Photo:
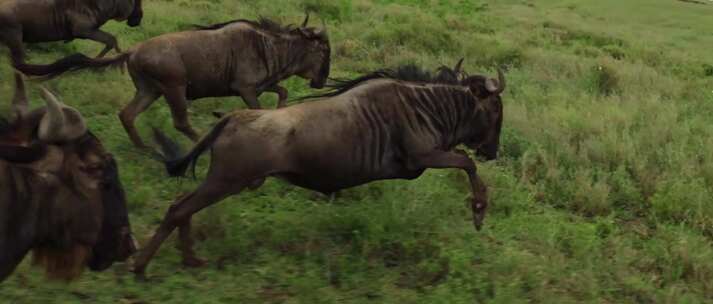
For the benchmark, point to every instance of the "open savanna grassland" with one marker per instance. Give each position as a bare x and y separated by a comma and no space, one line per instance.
602,193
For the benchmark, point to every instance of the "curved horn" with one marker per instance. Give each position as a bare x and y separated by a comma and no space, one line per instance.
53,121
496,86
60,123
457,68
304,23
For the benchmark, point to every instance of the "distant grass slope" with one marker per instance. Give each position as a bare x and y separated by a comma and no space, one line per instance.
602,193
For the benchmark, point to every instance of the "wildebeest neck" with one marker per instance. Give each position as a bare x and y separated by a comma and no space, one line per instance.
110,9
445,113
281,56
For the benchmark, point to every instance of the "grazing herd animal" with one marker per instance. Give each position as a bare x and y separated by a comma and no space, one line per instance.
60,193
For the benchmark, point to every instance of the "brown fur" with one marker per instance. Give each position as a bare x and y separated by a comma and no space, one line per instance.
391,124
237,58
64,203
24,21
62,264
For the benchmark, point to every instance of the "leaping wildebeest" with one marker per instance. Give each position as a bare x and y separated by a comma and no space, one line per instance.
390,124
62,20
236,58
60,193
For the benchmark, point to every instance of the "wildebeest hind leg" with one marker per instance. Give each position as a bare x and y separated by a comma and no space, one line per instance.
185,245
13,40
17,56
142,100
176,98
19,99
179,214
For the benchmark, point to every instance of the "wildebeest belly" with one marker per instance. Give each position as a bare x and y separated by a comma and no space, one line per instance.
208,88
36,31
330,175
38,21
329,182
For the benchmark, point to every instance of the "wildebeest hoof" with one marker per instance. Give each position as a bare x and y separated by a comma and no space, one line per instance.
256,183
139,274
141,277
194,262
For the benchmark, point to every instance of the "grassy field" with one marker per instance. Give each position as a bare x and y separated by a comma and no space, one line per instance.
602,193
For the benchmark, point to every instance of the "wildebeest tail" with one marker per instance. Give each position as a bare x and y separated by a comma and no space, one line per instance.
176,165
70,63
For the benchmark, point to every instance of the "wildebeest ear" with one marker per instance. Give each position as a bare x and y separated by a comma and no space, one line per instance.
307,33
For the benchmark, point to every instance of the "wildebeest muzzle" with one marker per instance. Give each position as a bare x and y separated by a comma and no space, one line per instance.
136,15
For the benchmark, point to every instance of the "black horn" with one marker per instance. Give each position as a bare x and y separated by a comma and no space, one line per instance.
304,23
457,68
496,86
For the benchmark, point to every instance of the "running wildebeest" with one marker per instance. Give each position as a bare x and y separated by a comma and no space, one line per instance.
58,20
60,193
236,58
390,124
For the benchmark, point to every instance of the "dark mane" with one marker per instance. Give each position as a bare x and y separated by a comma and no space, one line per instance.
263,23
409,72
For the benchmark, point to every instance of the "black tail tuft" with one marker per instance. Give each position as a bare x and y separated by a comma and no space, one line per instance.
70,63
170,154
176,165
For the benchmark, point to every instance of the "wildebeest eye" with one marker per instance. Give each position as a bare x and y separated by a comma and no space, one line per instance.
95,170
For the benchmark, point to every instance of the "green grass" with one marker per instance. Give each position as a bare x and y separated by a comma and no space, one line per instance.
602,193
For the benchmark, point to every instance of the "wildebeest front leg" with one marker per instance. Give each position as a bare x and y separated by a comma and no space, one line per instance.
281,93
250,97
176,98
457,159
13,40
142,100
97,35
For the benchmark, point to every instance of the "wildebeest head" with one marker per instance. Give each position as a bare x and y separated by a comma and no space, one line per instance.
82,220
316,63
96,171
487,142
136,15
129,10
